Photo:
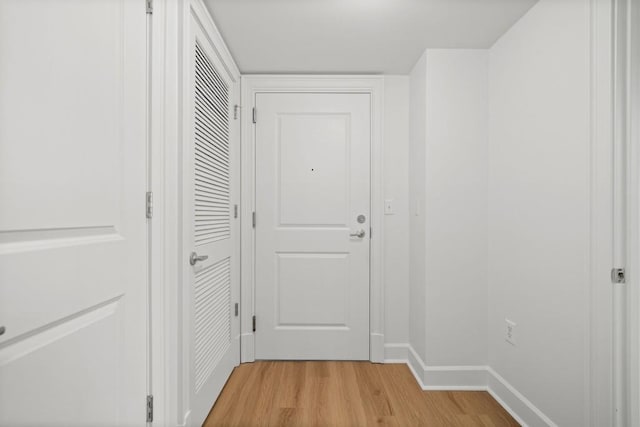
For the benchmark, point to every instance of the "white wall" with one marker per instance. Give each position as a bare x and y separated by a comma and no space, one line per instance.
448,199
396,232
499,168
456,207
417,135
539,206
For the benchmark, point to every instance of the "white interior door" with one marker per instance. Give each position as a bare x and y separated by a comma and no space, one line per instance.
211,229
312,226
72,213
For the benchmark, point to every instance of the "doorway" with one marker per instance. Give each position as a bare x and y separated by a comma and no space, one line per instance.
312,231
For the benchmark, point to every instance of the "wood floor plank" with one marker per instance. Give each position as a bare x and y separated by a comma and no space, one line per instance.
345,394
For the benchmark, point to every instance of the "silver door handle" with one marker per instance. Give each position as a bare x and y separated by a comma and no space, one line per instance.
360,234
195,258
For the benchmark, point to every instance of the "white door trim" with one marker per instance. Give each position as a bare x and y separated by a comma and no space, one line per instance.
631,34
373,85
599,316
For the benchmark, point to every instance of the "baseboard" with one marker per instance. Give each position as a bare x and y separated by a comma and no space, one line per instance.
437,377
448,377
247,348
396,353
520,408
376,348
468,378
186,420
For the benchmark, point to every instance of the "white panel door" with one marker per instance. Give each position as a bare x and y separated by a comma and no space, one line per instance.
211,231
72,213
312,229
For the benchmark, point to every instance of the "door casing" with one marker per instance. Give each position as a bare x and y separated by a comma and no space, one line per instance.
250,86
629,32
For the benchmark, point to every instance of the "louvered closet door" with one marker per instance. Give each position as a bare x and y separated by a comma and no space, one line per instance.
210,229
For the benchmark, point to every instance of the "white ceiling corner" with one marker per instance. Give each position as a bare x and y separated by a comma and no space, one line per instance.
355,36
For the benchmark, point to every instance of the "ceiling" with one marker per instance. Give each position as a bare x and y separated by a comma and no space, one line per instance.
355,36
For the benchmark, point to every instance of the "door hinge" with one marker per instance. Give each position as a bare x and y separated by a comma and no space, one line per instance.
149,408
149,204
253,219
149,6
236,111
237,309
618,275
254,322
235,211
254,115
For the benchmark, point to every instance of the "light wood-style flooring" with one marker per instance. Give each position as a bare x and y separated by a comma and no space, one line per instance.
305,394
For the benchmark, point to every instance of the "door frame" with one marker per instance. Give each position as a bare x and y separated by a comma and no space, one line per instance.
631,117
250,86
168,346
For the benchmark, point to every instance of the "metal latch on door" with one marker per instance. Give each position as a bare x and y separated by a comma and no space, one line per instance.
360,234
194,258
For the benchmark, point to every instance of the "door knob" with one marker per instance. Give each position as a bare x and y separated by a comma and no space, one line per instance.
195,258
360,234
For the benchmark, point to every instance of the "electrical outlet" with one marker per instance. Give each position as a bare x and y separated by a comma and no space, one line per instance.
510,332
388,207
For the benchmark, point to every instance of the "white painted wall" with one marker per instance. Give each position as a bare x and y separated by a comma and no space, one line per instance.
455,212
448,199
539,206
396,231
417,272
499,169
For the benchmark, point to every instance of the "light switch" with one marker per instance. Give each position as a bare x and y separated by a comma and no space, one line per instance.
388,207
